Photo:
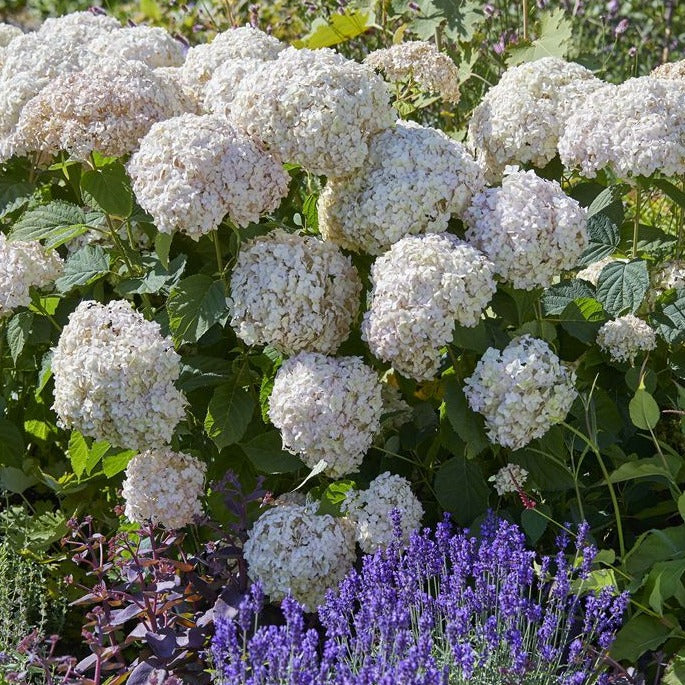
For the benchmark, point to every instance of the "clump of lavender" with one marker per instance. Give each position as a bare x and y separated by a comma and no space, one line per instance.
448,609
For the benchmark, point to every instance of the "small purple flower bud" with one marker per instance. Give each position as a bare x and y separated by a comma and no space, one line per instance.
621,27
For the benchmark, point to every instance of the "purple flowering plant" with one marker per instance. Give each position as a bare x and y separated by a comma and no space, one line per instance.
450,608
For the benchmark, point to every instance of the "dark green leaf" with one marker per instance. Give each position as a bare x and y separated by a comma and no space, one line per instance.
13,195
554,39
669,321
115,462
11,444
267,455
644,411
84,267
162,247
109,189
582,318
622,286
466,423
606,202
458,20
639,635
462,490
202,372
15,480
333,496
557,297
229,413
18,333
663,582
78,453
655,545
546,473
158,278
195,304
534,523
604,238
55,223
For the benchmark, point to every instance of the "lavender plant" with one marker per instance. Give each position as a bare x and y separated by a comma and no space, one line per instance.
450,608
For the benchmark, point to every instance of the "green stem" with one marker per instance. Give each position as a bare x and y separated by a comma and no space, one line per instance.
217,250
636,221
524,8
610,486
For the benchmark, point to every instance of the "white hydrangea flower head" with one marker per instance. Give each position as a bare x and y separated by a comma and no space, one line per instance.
291,549
193,170
314,108
24,264
187,97
114,377
31,61
327,408
152,45
592,272
667,275
420,287
297,293
220,90
521,119
431,69
240,43
107,109
521,391
626,337
529,228
644,134
370,511
8,32
414,179
670,70
510,478
165,487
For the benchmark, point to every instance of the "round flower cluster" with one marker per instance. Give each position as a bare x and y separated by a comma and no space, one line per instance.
625,337
105,109
670,70
370,511
327,408
291,549
669,274
165,487
243,43
592,272
521,391
221,88
314,108
24,264
413,181
420,287
522,117
152,45
644,134
7,34
421,61
114,377
510,478
294,292
191,171
529,228
32,60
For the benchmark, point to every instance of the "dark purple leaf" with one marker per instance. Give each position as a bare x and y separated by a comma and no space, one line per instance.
166,585
120,616
144,673
87,663
162,643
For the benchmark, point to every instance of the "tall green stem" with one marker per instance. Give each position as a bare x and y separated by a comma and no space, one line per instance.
636,220
525,18
217,250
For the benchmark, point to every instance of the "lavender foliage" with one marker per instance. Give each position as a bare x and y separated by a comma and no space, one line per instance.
450,609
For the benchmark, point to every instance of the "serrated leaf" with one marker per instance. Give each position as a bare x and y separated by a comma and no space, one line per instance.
644,411
669,321
84,267
55,223
605,237
462,490
108,188
195,304
228,414
338,28
333,496
267,455
606,202
44,373
557,297
202,372
554,33
115,462
157,278
77,451
459,20
162,247
18,332
582,318
13,195
622,286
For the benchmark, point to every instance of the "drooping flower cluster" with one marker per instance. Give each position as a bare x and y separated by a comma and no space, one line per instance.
114,377
421,286
451,608
297,293
106,108
314,108
191,171
32,60
414,179
327,408
521,391
165,487
24,264
645,134
149,44
626,337
529,228
421,61
510,478
292,550
521,119
370,511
